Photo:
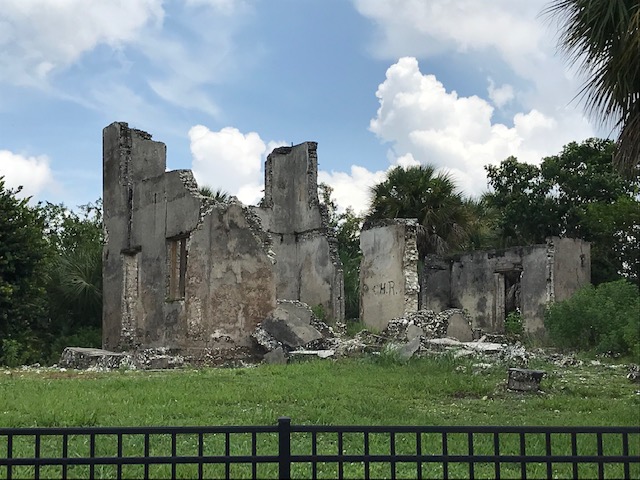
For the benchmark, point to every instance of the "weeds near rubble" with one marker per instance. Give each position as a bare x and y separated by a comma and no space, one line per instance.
438,390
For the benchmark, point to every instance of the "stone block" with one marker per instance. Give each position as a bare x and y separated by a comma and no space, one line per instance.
458,327
289,330
524,380
82,358
276,357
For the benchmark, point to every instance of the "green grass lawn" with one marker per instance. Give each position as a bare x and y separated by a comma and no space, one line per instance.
365,391
426,391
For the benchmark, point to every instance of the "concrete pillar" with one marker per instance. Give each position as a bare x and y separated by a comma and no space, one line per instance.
388,271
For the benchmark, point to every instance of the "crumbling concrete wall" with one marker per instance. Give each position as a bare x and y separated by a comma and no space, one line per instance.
490,284
388,271
179,270
307,267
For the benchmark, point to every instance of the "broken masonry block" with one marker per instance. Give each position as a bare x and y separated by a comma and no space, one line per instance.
524,380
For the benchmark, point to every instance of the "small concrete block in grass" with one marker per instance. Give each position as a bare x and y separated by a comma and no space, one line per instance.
524,380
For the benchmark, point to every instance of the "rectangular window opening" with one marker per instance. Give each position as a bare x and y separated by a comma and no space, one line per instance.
177,255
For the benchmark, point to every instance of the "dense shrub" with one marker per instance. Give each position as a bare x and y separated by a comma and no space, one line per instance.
605,318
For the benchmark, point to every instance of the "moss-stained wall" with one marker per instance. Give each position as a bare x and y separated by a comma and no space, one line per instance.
179,270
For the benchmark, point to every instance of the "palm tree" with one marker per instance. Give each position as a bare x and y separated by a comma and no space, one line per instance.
218,195
417,192
602,37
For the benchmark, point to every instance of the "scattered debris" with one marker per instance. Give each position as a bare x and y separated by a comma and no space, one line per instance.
406,351
277,356
524,380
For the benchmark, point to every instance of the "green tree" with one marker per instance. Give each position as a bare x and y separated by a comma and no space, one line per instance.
602,37
23,254
74,287
418,192
345,227
576,193
604,318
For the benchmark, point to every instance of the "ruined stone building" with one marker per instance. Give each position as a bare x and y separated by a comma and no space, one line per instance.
490,284
308,267
487,285
183,271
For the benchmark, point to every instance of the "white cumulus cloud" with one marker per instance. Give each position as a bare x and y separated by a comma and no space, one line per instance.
230,160
32,173
40,36
500,96
352,189
425,123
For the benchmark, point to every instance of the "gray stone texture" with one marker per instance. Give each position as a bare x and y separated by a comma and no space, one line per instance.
388,271
179,270
307,265
489,284
276,357
289,329
524,380
459,327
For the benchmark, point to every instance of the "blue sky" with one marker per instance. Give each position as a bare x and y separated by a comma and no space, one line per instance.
377,83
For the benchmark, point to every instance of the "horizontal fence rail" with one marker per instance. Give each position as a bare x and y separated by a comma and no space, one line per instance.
320,451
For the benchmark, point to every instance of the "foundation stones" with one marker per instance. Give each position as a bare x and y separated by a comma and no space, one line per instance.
276,357
524,380
459,327
290,330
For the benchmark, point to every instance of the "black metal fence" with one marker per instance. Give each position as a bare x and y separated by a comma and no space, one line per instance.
310,451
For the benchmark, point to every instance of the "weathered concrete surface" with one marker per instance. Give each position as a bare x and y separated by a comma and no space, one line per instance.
423,323
307,267
84,358
490,284
459,327
388,271
524,380
179,270
98,359
406,351
289,329
276,357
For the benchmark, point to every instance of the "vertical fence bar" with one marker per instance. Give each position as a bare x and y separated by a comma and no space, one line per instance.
547,443
201,455
496,452
523,452
625,452
65,454
146,455
419,453
471,463
92,454
392,451
284,448
574,453
340,452
254,453
445,453
119,449
174,452
37,455
227,454
9,454
600,452
314,452
367,471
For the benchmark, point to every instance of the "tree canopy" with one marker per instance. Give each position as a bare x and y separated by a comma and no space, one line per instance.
23,255
602,37
418,192
576,193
